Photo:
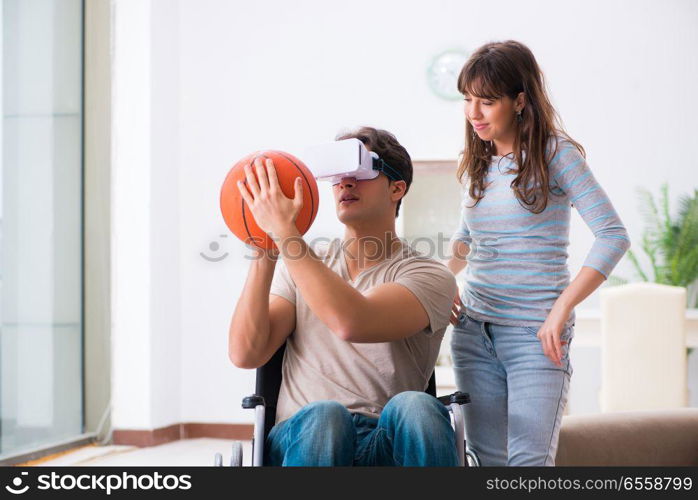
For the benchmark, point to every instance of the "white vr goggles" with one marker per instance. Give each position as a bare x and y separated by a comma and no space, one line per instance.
346,158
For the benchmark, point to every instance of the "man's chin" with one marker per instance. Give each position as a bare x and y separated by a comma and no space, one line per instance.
345,217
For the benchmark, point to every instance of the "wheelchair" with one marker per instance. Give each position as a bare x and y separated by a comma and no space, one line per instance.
263,402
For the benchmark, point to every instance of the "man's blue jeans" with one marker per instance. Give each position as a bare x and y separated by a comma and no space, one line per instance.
414,429
517,394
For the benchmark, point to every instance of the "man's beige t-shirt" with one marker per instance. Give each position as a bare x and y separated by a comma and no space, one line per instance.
318,365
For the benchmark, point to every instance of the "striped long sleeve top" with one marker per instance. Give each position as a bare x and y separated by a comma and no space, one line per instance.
517,265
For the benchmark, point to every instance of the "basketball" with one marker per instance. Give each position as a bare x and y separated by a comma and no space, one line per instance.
237,215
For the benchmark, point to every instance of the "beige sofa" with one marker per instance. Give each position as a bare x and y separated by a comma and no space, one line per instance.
632,438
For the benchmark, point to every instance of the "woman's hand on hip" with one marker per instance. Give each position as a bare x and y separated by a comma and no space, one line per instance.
551,331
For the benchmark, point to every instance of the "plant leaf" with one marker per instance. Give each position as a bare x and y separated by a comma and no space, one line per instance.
636,265
614,280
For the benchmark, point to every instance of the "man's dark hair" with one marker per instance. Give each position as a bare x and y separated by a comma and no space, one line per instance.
385,145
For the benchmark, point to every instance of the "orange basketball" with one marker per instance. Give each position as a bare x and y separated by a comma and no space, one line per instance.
238,216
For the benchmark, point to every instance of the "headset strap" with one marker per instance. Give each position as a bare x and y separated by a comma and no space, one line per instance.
380,165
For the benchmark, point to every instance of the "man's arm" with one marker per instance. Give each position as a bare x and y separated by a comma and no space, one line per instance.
420,296
387,312
349,314
260,323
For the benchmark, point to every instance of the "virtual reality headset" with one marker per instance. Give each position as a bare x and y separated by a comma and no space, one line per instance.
346,158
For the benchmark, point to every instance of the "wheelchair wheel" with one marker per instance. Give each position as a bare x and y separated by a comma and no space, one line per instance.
236,457
472,458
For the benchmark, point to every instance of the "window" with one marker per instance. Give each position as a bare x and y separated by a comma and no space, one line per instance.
41,327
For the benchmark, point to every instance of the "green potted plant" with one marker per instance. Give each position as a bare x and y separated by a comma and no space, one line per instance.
670,243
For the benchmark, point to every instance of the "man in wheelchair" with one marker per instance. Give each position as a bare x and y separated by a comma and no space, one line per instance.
362,318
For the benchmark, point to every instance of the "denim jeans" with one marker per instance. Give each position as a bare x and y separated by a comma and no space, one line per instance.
414,429
517,394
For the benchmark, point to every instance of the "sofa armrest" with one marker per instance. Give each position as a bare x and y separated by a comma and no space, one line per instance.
633,438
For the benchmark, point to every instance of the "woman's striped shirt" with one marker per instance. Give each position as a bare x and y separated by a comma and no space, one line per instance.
517,265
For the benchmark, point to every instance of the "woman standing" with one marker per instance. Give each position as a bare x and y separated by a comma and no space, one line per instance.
514,321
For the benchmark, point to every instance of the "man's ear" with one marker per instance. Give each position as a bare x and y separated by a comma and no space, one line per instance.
397,190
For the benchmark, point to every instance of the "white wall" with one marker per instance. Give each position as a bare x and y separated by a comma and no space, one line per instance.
146,320
132,390
239,76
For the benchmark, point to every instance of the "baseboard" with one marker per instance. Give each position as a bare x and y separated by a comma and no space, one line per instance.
161,435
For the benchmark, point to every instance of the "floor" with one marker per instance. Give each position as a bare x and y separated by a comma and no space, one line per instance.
186,452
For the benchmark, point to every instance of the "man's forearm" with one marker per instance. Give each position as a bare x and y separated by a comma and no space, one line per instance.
332,299
249,329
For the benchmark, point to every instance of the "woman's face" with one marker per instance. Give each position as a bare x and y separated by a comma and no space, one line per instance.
492,119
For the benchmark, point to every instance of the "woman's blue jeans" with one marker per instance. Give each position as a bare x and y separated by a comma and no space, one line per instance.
517,394
414,429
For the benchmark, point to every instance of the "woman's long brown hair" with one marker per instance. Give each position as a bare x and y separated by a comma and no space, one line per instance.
508,68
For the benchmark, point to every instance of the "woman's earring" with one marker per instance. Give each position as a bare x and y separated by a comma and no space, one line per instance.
519,118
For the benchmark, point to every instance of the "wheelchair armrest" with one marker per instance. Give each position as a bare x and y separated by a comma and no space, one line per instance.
253,401
457,397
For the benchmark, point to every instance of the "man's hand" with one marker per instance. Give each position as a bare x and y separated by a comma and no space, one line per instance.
272,210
